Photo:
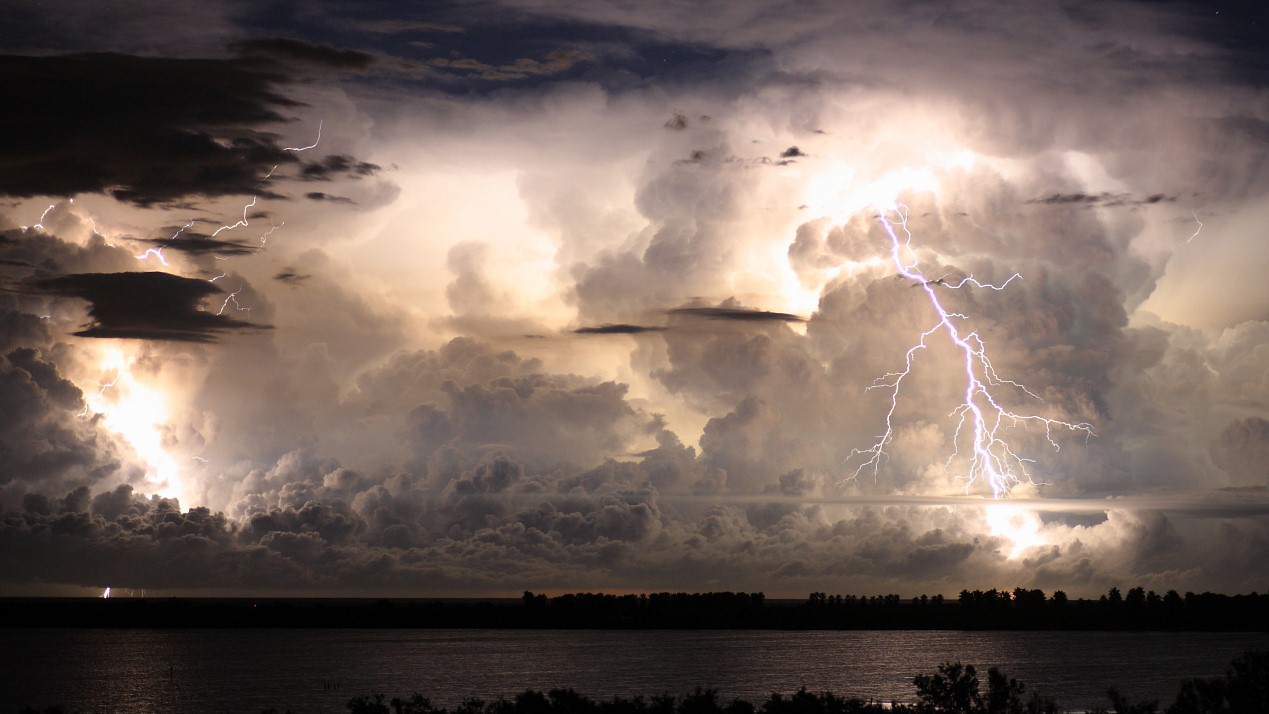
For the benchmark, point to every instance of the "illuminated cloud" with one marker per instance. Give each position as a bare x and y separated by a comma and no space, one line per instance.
706,177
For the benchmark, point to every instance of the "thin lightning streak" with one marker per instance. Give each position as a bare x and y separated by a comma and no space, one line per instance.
181,230
233,297
218,277
156,252
39,225
102,387
992,458
265,238
310,146
1200,226
239,224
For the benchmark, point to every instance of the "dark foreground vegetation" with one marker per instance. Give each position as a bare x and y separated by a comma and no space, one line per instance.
953,689
1018,609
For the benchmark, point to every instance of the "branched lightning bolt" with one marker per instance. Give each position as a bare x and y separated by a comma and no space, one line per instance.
233,297
102,387
156,252
979,413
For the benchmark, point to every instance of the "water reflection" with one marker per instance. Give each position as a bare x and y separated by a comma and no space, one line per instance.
319,670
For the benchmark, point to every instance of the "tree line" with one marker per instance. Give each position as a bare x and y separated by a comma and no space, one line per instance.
1017,609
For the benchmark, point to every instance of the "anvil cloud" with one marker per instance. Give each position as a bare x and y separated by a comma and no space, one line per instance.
590,295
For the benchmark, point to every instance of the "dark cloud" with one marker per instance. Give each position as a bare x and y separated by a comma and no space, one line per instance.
616,329
319,196
792,152
143,129
291,276
390,26
1103,199
735,314
195,244
336,165
291,50
152,306
554,63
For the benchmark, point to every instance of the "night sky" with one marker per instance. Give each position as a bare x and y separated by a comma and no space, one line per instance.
468,298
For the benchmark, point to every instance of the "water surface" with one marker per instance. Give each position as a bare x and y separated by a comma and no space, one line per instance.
244,670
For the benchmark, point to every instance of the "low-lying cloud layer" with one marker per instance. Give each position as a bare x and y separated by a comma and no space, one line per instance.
596,296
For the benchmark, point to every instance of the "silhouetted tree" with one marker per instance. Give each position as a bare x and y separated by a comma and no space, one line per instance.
954,689
1123,706
367,705
1244,688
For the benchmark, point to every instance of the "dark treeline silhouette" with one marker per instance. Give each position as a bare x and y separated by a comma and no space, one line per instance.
1017,609
1023,609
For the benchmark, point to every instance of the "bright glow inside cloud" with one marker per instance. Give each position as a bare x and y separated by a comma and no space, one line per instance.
1016,524
137,412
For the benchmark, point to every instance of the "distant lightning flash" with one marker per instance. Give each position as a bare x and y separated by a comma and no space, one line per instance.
979,413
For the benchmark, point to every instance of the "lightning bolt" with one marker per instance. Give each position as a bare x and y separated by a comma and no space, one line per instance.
265,238
316,141
232,297
239,224
101,390
1197,230
39,225
156,252
979,416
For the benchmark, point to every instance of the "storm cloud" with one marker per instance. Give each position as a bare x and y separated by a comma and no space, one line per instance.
683,207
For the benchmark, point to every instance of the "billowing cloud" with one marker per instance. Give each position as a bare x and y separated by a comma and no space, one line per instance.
1078,185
